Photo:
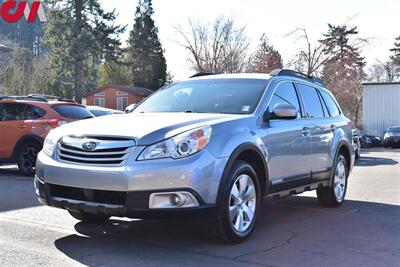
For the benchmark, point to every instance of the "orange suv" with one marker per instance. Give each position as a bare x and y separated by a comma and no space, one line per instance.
26,120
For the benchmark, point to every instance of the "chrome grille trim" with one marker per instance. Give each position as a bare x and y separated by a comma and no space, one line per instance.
109,151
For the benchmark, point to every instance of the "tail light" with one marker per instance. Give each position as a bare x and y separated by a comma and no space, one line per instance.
54,123
350,124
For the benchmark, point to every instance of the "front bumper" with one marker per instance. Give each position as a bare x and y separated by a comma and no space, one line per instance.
392,141
125,190
120,204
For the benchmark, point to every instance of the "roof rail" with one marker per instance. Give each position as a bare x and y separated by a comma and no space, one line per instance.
37,97
200,74
297,74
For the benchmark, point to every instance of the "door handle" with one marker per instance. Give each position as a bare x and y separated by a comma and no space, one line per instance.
21,126
305,131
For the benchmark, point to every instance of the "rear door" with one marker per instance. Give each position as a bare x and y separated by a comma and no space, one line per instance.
320,126
13,126
287,144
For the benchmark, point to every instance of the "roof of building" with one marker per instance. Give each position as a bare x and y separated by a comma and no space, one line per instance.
140,91
383,83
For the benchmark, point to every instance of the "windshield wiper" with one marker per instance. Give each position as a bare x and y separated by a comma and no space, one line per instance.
193,111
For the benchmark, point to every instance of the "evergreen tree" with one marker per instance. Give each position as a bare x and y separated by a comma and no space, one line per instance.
146,55
396,50
113,73
79,33
343,71
267,58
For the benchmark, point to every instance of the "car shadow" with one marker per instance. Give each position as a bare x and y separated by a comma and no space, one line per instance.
16,190
366,161
289,225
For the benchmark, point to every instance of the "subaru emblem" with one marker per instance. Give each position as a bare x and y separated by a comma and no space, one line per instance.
89,146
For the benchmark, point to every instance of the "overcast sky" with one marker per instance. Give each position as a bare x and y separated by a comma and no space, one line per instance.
376,19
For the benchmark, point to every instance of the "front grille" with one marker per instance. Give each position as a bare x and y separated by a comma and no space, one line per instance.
96,196
108,151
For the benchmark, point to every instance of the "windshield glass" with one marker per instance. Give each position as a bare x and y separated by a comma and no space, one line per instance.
231,96
394,130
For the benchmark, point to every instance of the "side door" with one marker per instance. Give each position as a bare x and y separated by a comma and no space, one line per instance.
321,129
287,144
12,127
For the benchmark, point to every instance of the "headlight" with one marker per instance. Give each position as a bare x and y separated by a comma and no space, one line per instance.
49,144
180,146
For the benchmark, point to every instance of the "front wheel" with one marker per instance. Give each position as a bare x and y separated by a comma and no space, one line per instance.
239,207
26,158
334,195
88,217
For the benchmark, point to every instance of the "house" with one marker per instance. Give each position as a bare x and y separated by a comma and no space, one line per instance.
381,107
116,96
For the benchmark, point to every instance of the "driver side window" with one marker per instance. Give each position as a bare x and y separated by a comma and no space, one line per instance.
285,93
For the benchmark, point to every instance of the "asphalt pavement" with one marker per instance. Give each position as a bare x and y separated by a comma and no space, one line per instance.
294,231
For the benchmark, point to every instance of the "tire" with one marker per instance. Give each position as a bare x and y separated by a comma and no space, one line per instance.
358,153
26,158
334,195
88,217
237,226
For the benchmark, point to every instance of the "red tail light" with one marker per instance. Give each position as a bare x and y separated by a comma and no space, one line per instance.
54,123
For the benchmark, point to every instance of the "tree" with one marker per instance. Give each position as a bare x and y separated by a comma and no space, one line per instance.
146,55
343,70
387,71
396,50
311,57
78,34
219,46
267,58
113,73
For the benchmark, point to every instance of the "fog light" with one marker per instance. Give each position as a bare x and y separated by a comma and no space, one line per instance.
171,200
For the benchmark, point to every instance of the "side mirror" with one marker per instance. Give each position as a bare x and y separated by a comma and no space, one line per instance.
281,112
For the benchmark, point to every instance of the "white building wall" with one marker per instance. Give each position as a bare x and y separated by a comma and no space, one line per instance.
381,107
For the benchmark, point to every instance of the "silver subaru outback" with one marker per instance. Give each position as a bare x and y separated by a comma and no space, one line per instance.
210,147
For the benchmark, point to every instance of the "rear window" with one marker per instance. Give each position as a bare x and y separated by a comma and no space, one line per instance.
73,112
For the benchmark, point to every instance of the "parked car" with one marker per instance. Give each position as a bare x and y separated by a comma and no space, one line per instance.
356,140
368,141
209,147
100,111
392,137
25,121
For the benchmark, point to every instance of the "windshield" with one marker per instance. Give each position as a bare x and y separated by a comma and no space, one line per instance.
231,96
394,130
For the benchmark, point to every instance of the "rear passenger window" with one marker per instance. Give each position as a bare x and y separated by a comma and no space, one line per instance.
312,103
285,93
332,107
34,113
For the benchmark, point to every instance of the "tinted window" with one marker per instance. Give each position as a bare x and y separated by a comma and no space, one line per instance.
34,113
233,96
311,101
394,129
332,107
285,93
12,112
73,112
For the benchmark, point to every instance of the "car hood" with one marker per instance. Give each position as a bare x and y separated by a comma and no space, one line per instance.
145,128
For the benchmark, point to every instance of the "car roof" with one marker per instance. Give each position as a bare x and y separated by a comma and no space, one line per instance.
39,103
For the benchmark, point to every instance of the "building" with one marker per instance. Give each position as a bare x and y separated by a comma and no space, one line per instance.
381,107
116,96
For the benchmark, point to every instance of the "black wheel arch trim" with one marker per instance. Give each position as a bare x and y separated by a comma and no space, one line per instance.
23,140
228,167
